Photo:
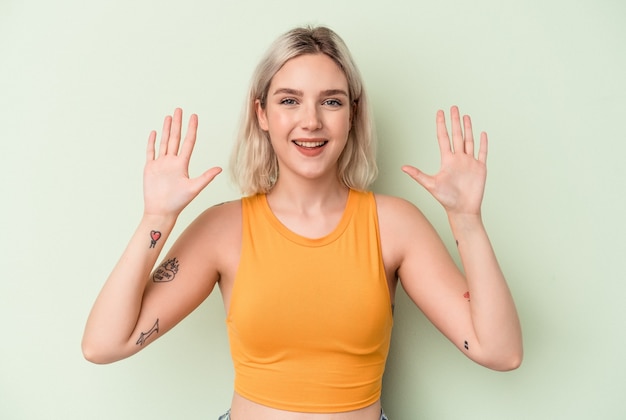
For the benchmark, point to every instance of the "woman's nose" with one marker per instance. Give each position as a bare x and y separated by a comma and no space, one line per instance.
311,118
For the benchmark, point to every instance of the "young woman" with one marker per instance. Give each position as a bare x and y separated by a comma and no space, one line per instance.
308,260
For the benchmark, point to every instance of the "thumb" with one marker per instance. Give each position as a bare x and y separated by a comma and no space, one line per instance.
424,180
205,179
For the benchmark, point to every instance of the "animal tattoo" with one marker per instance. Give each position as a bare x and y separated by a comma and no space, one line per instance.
145,335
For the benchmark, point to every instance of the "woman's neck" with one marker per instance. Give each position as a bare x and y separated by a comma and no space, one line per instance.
306,197
309,212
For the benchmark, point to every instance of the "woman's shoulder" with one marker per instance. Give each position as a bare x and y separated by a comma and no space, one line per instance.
214,236
393,206
399,214
221,216
217,223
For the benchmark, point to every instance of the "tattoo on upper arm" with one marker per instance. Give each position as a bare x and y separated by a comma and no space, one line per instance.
155,235
466,345
166,272
145,335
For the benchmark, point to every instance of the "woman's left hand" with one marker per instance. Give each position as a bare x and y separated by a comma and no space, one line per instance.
460,183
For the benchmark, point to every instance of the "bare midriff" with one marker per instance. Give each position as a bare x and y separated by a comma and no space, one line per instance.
244,409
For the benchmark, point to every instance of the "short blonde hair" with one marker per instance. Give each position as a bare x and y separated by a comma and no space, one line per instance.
254,166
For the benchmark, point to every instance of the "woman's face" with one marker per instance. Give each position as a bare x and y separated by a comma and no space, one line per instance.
307,116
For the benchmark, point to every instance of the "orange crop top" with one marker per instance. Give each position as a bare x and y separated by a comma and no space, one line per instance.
310,320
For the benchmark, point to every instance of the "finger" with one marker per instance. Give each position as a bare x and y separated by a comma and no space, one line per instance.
469,135
205,179
190,137
165,135
442,134
424,180
457,133
174,140
150,148
482,151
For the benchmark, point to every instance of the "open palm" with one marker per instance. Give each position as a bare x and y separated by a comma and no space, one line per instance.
460,183
167,185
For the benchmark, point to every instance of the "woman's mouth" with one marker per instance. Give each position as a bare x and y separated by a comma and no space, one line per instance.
309,144
310,147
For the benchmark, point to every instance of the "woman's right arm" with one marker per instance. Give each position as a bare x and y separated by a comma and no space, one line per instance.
130,311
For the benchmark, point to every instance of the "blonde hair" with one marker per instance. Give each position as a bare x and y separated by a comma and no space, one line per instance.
254,166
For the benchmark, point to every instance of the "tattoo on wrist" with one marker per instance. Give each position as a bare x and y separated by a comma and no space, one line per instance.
155,235
145,335
466,345
166,272
466,295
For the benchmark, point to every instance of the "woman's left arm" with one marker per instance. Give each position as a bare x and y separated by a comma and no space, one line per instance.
487,316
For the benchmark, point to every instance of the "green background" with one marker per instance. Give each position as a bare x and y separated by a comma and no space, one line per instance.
82,84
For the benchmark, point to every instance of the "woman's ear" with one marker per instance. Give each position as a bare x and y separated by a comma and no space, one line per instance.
261,115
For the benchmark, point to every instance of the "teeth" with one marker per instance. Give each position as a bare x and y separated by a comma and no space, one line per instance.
310,144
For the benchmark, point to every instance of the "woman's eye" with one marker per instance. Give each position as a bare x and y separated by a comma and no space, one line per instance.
332,102
288,101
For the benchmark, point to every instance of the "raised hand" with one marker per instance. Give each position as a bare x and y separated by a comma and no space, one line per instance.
167,186
459,185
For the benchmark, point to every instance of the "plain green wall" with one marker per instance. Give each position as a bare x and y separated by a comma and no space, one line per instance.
83,83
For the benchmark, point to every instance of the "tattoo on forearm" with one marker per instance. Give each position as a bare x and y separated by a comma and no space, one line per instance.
166,272
155,235
145,335
466,345
466,295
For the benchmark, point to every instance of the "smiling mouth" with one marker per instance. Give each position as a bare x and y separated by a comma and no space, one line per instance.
310,144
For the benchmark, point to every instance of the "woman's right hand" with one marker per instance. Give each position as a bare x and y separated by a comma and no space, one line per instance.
166,183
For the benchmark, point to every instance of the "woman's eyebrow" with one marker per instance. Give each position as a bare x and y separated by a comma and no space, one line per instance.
288,91
334,92
295,92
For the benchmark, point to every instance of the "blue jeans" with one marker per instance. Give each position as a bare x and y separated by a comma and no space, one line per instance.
226,416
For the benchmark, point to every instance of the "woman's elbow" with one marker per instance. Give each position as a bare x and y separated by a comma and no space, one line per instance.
97,353
91,353
507,362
